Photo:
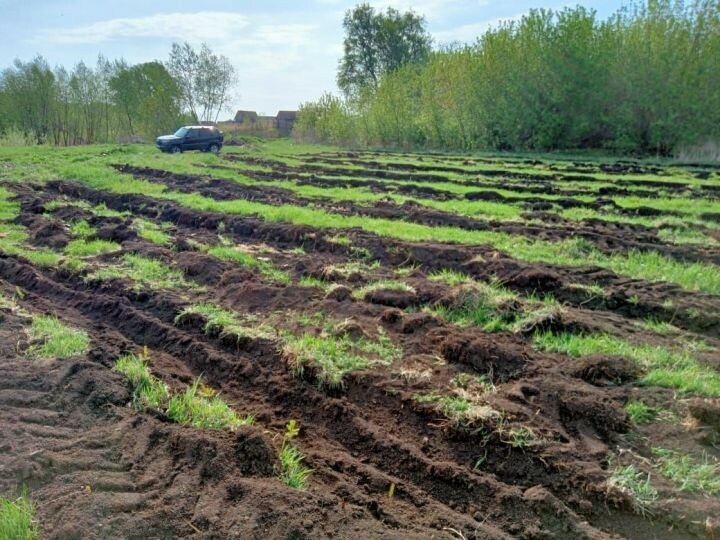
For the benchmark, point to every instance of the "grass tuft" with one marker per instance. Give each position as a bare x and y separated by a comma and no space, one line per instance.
292,470
226,322
665,367
687,473
149,391
639,412
636,485
49,338
336,356
198,410
150,273
87,248
17,519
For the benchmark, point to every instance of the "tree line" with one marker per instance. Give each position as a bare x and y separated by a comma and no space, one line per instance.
644,81
113,100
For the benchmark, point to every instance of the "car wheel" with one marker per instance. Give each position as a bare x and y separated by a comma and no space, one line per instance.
214,148
175,150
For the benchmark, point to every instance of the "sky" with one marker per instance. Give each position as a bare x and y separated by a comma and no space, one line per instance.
285,52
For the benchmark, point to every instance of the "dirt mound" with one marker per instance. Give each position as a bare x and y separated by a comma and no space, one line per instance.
502,360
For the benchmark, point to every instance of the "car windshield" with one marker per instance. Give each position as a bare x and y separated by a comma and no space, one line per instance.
181,132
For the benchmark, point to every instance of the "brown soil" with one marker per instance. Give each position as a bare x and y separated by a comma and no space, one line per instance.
97,468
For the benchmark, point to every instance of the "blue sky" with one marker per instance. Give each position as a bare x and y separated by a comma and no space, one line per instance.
285,52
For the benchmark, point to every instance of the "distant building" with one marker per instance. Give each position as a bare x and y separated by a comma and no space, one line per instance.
251,122
246,117
285,121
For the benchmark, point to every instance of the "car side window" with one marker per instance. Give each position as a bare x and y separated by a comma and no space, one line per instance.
192,134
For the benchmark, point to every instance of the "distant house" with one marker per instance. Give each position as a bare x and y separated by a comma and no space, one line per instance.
285,121
246,117
268,126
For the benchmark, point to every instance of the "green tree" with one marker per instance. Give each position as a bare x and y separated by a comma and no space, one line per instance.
379,43
29,96
147,97
204,78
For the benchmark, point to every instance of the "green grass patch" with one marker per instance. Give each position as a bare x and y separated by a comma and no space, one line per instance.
461,410
149,391
197,407
659,327
145,272
151,232
687,473
243,258
487,305
636,485
226,322
82,229
293,472
81,247
17,519
43,257
383,285
664,367
337,355
639,412
49,338
451,277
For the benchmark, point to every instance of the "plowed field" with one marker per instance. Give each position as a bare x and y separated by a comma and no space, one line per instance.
470,347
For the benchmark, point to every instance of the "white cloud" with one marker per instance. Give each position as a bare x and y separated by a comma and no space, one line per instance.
195,27
430,9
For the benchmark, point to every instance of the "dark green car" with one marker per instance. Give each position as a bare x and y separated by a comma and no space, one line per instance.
204,138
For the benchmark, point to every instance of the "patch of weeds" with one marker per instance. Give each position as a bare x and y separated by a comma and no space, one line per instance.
639,412
405,271
149,391
336,356
312,282
685,235
103,211
87,248
299,250
17,519
634,300
74,264
687,473
469,382
531,320
659,327
384,285
315,320
82,229
518,437
151,232
199,407
667,303
292,471
146,272
593,290
360,253
665,367
43,257
349,268
451,277
264,266
410,374
226,322
340,240
49,338
487,305
461,410
636,485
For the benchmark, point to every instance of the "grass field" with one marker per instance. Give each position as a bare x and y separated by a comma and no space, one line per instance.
314,341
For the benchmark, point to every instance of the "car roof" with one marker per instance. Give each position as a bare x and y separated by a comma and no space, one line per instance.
198,127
